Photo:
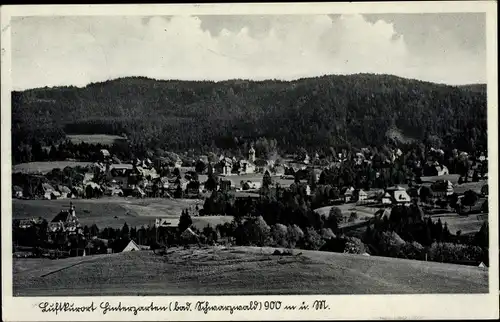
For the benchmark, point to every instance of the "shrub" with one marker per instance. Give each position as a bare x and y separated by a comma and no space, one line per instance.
353,217
279,236
312,240
354,245
390,244
209,235
412,251
327,233
455,253
335,218
294,235
253,231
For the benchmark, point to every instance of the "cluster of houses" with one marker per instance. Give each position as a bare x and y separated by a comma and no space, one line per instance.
227,166
141,178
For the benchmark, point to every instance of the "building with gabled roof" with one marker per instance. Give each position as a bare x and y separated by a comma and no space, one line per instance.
396,195
131,246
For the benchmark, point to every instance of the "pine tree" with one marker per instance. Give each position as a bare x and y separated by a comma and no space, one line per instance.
185,220
267,181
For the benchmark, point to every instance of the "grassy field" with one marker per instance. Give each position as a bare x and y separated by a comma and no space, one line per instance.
362,211
45,167
466,224
104,139
474,186
255,177
102,212
240,271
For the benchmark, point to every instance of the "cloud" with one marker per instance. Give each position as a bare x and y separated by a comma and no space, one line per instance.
78,50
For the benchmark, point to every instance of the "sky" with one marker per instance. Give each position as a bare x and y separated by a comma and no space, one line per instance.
50,51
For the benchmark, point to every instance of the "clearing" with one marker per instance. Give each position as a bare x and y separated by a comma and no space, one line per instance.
240,271
103,139
44,167
102,212
347,208
466,224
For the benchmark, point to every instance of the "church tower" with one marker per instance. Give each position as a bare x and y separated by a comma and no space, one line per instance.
251,155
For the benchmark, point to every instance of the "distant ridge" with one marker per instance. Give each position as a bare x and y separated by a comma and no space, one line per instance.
314,112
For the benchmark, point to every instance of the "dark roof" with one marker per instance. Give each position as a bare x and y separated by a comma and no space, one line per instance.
62,216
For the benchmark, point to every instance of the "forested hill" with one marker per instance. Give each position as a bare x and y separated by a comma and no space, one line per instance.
312,113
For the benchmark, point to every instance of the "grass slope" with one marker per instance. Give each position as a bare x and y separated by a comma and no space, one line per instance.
243,271
102,212
104,139
46,166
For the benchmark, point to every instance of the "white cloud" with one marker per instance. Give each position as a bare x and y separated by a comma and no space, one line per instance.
80,50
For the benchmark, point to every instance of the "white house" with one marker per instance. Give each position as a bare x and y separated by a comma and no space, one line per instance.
132,246
386,199
396,195
348,194
362,195
246,167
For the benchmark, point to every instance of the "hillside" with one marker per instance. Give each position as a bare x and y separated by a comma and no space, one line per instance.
115,211
313,113
240,270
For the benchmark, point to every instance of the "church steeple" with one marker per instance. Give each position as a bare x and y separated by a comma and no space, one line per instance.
251,154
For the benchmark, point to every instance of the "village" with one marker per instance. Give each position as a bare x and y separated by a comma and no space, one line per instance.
246,180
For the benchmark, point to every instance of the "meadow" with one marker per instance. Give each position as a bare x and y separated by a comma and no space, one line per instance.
240,271
44,167
103,139
115,211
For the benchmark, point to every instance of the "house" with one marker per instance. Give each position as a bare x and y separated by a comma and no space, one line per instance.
251,185
113,191
168,223
87,177
189,236
433,168
348,194
361,195
17,192
49,192
225,185
246,167
279,170
105,154
386,199
66,222
224,166
442,188
28,223
131,246
396,195
65,192
178,163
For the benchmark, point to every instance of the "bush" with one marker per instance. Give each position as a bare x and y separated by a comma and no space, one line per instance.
412,251
209,235
455,253
327,233
312,240
294,235
390,244
354,245
279,236
254,231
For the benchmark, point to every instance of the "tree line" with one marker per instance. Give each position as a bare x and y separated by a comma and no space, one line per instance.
314,113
